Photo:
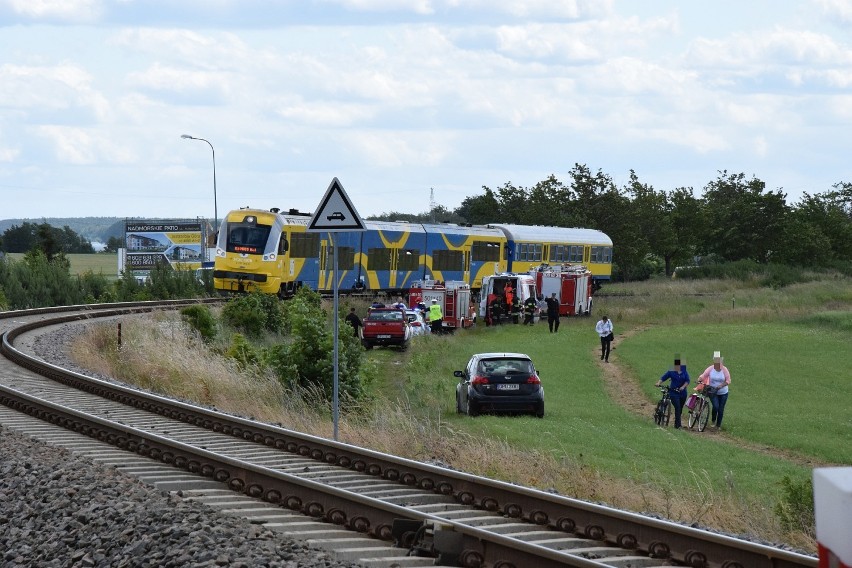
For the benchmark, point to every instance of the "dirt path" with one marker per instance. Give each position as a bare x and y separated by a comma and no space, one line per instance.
624,389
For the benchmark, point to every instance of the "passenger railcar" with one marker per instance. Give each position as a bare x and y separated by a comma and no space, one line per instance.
529,247
272,252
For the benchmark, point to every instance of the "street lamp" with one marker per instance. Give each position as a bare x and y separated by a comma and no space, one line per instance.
215,204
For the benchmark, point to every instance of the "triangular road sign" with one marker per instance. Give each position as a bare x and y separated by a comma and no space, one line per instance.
335,212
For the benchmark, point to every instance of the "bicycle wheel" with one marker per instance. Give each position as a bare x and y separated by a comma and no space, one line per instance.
692,420
658,413
667,413
703,416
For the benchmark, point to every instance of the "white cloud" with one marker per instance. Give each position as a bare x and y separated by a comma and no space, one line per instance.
75,11
836,10
48,89
326,114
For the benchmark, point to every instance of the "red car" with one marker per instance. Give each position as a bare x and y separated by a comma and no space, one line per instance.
386,326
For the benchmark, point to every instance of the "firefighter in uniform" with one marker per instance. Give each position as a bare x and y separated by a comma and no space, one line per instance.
516,310
529,310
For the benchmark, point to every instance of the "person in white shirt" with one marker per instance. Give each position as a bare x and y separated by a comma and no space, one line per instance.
604,329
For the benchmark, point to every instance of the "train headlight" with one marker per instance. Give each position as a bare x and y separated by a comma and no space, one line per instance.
220,253
270,256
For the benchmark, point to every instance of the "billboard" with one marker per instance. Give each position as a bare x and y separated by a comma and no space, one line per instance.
180,243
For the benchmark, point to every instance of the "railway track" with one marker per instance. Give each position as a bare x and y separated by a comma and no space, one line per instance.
440,516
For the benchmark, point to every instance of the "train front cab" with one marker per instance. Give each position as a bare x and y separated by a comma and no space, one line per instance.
253,252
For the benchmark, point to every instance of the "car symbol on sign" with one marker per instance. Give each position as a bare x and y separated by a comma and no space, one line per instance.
336,215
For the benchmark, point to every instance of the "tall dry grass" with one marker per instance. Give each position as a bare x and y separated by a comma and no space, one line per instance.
161,354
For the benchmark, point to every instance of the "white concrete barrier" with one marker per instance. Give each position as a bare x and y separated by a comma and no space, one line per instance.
833,512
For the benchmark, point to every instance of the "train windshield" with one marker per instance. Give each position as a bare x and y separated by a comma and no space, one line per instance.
246,238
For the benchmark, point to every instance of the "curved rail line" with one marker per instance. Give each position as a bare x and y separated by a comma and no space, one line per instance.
472,521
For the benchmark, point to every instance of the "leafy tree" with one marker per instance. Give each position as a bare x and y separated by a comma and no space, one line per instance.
821,228
481,209
742,221
113,244
48,238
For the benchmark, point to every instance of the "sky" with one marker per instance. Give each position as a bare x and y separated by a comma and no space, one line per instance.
409,103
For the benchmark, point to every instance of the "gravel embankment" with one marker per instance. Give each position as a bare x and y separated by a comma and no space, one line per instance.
58,510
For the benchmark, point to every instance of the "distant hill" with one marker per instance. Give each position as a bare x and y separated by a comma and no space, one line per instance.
95,229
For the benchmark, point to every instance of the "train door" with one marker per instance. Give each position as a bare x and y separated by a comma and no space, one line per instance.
587,255
466,267
326,265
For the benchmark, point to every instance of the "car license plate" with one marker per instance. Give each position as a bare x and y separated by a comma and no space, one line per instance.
507,387
383,336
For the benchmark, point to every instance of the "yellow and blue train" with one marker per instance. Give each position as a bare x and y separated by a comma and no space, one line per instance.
271,251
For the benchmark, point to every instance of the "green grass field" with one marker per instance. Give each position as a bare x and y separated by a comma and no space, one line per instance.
100,263
786,350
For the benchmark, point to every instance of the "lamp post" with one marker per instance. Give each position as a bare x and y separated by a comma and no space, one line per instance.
215,204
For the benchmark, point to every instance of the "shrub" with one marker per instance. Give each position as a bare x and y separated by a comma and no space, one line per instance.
200,318
254,313
129,289
243,352
166,283
795,508
306,359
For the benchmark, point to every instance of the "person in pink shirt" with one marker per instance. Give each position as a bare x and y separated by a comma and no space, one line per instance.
716,379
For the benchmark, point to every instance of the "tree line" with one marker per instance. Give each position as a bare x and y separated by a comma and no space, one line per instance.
735,219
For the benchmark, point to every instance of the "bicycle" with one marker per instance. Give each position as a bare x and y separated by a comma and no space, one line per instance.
700,412
663,411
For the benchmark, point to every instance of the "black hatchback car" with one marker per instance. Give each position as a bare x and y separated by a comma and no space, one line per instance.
493,382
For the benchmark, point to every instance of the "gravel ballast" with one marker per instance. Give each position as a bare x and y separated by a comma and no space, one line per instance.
59,510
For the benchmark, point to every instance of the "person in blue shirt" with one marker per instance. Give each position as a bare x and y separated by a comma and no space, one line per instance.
679,379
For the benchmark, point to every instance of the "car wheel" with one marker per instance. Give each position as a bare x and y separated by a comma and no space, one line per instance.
458,404
539,412
472,409
367,344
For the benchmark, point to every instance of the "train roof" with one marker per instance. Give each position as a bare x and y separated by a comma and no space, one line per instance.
475,230
537,233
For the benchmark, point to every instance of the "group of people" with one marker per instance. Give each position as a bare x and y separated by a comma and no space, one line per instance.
432,314
506,303
713,381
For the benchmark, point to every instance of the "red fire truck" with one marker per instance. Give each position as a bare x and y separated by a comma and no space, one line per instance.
572,284
453,296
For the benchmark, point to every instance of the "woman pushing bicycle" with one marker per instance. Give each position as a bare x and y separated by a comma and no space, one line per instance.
717,377
679,378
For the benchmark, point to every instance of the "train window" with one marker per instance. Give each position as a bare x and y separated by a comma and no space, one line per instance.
576,254
482,251
248,239
345,257
558,253
283,245
447,260
409,259
601,254
304,245
529,252
379,259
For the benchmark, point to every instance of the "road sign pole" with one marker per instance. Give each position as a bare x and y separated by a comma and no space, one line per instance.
335,402
335,214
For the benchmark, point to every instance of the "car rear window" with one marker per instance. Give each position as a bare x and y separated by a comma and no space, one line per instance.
505,366
385,316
